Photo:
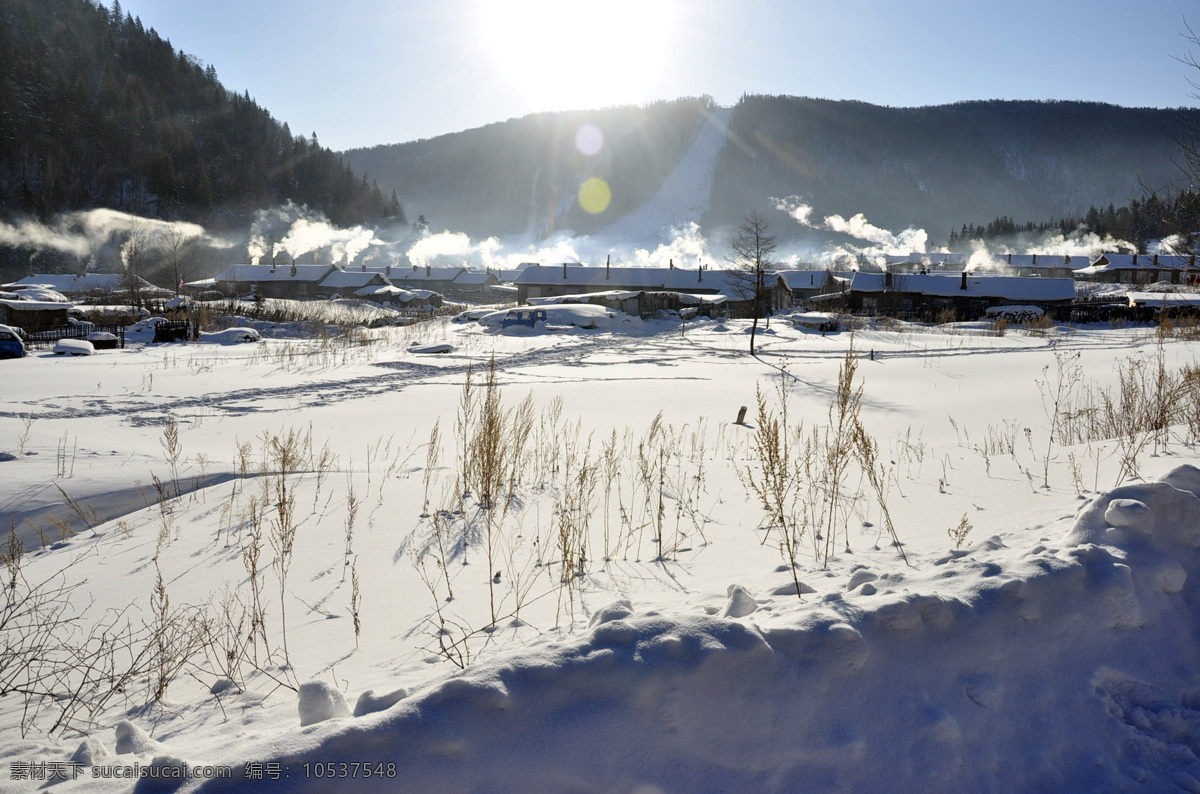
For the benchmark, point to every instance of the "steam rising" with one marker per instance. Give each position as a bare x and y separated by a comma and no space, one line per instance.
877,242
84,233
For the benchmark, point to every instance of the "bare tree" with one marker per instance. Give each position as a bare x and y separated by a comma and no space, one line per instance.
751,259
136,255
1188,140
176,244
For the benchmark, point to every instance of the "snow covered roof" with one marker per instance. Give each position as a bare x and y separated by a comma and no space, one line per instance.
805,279
394,293
339,279
259,273
1106,262
425,274
978,286
86,282
36,306
935,258
469,278
1035,261
726,282
37,292
1162,299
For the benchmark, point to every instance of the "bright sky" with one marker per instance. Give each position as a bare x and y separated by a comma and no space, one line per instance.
367,72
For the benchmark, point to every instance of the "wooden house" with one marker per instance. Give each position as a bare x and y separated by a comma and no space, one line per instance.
435,279
297,282
805,284
91,286
1043,265
1141,269
737,287
932,296
646,304
345,283
473,285
33,315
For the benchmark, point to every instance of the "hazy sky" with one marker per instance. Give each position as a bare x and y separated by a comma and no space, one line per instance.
366,72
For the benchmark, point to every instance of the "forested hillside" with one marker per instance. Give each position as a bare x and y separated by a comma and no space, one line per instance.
524,174
1174,219
931,167
938,167
98,111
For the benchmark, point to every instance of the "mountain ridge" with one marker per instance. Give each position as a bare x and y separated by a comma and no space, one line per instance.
936,166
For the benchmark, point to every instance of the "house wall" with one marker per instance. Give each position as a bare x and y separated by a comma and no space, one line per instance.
33,319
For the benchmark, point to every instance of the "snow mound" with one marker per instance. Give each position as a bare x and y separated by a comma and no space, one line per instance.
369,703
320,701
231,336
73,347
1038,654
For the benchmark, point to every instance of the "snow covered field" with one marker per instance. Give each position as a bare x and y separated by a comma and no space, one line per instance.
610,558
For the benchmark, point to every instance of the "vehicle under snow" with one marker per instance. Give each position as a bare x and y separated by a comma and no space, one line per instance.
580,315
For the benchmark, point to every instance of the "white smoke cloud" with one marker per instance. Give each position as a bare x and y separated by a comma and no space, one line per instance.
1080,243
307,235
687,246
84,233
1173,244
879,241
448,244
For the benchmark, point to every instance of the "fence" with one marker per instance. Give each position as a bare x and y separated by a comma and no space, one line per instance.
35,340
176,331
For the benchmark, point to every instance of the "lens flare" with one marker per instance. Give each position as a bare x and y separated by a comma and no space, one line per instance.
589,140
595,195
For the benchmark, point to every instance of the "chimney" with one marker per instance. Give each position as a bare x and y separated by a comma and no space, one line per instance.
1067,259
671,263
1156,260
387,270
564,271
963,285
1135,259
887,279
1035,260
293,267
607,262
428,271
699,272
414,268
1010,257
364,267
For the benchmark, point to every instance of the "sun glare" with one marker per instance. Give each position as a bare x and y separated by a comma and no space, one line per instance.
562,54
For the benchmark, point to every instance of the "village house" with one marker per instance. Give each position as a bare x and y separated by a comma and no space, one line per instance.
394,297
1141,269
33,315
297,282
345,283
919,262
645,303
474,286
804,284
934,296
91,286
1043,265
435,279
737,287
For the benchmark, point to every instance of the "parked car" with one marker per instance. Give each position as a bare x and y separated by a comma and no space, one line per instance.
73,347
11,345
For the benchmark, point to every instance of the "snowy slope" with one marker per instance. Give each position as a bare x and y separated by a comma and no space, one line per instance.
1053,650
685,195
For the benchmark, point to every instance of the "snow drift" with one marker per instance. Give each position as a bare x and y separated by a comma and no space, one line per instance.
999,669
